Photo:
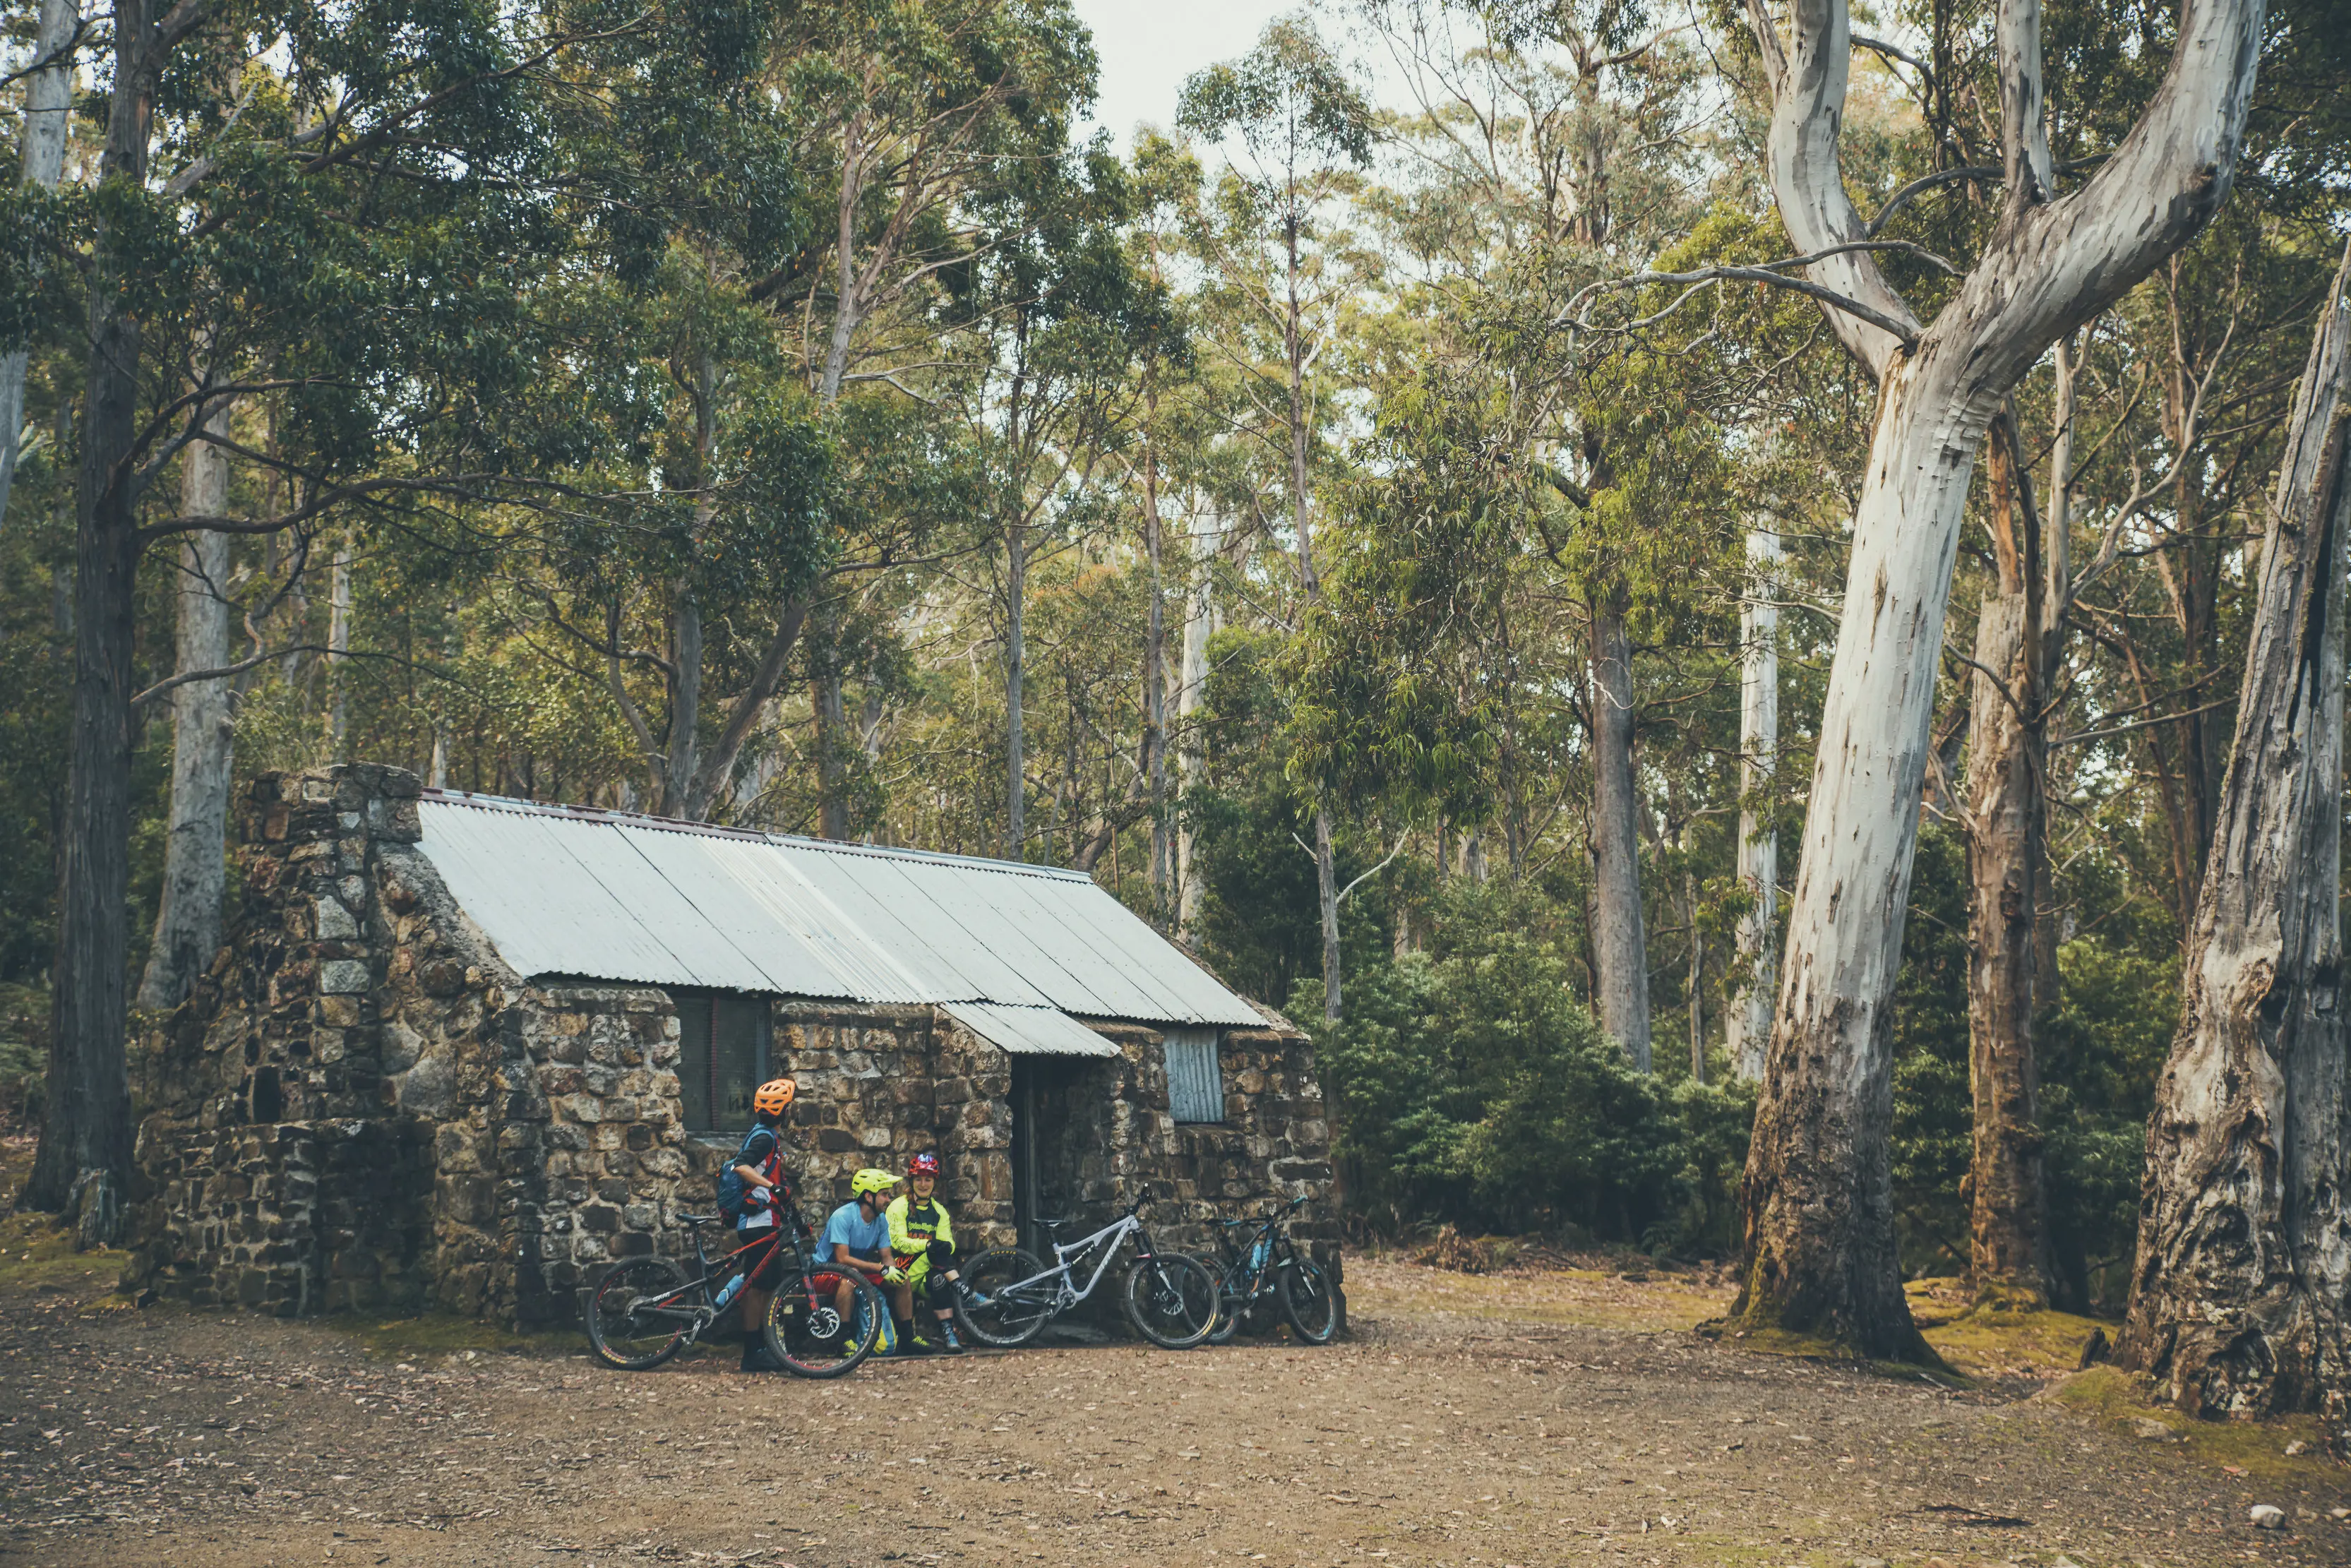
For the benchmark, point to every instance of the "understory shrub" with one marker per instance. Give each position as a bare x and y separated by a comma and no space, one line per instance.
1473,1088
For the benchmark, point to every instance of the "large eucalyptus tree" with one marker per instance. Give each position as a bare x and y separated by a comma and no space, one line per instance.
2240,1293
1817,1214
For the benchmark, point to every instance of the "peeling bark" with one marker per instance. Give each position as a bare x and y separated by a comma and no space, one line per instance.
1817,1204
2241,1282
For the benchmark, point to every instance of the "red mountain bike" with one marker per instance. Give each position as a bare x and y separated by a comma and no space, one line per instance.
646,1309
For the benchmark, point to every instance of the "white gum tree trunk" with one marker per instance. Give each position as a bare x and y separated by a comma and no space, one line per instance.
1619,944
196,854
49,108
1748,1025
2241,1283
1817,1214
1191,696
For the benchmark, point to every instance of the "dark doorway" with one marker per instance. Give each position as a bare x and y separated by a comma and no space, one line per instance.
1060,1145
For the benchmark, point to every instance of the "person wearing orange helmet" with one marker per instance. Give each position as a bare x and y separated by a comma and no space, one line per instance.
757,1188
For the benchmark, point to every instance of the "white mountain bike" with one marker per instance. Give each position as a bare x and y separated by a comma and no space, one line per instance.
1010,1297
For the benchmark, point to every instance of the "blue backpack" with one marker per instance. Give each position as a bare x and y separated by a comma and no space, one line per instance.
730,1181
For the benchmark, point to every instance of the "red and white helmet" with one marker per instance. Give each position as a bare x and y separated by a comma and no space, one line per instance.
926,1165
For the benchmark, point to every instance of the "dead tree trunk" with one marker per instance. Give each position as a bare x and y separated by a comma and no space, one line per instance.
1749,1023
2008,1235
2242,1285
48,107
1619,946
1817,1211
195,856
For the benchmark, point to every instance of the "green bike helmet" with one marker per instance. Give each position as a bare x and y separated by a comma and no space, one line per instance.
870,1180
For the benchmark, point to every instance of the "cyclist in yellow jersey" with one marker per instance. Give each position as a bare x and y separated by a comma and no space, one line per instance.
922,1249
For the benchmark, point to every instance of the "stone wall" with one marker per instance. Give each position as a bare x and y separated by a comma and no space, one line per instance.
275,1167
876,1085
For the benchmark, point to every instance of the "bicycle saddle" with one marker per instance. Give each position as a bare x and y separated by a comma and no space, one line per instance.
693,1220
1050,1224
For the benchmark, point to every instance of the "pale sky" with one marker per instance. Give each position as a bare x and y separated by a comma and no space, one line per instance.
1149,46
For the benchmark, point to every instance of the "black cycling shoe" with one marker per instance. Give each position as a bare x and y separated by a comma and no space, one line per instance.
756,1357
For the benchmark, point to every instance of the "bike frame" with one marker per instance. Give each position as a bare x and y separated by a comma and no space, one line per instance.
1108,1238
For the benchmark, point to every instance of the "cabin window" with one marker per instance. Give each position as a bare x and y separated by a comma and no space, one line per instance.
1196,1081
723,1057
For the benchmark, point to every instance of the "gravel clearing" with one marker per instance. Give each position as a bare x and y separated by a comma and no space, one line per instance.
1435,1436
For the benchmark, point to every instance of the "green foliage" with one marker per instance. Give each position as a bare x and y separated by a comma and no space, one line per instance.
1472,1087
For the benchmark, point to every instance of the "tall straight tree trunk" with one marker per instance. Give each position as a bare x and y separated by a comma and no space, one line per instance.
1618,945
195,853
1326,888
49,108
1748,1026
1191,694
338,647
1819,1250
1696,980
85,1152
2008,1233
1016,659
2241,1282
1326,875
1155,678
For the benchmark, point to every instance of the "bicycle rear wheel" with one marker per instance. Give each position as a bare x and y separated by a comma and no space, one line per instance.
1231,1307
1171,1299
627,1322
994,1308
807,1333
1309,1302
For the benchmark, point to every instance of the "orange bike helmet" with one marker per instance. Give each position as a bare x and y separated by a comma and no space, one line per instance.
773,1096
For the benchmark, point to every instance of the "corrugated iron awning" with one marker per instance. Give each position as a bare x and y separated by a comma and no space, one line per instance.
1029,1032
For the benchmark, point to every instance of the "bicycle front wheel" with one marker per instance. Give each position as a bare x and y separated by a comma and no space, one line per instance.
995,1308
1171,1299
1309,1302
808,1334
633,1319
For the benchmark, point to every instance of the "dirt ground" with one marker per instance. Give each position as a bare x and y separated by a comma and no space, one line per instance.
1528,1418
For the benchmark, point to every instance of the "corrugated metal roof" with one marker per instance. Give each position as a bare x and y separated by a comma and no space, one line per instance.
609,897
1029,1032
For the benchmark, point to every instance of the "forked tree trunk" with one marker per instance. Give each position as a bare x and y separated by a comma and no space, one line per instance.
2007,1238
2241,1283
195,853
1619,947
48,106
1817,1210
1749,1024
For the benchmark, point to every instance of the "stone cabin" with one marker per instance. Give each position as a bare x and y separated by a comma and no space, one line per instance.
460,1050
